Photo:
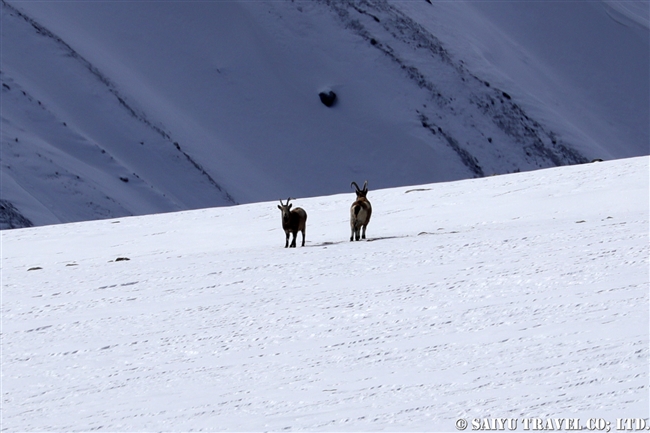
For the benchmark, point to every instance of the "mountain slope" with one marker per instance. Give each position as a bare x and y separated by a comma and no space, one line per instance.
579,67
128,108
518,296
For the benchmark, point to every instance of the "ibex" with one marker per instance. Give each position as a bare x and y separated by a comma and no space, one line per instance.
360,212
293,221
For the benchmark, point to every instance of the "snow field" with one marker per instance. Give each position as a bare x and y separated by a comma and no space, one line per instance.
523,295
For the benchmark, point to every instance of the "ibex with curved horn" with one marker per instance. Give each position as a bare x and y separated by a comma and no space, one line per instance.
360,212
293,221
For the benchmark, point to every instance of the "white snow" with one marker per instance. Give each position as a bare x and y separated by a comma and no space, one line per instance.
112,109
514,296
581,66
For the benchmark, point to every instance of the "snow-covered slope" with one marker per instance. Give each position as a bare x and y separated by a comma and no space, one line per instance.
515,296
127,108
581,67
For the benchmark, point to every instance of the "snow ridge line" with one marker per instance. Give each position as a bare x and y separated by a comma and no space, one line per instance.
339,8
112,88
467,158
11,218
538,144
7,217
200,168
507,115
512,120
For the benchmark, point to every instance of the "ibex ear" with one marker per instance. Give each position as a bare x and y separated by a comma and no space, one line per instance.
279,207
290,206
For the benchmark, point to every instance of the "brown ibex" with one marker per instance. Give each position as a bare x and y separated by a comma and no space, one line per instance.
360,212
293,221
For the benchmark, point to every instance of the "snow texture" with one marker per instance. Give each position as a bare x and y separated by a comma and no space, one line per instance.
522,295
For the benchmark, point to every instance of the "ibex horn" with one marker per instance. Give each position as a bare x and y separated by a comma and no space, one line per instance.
355,184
